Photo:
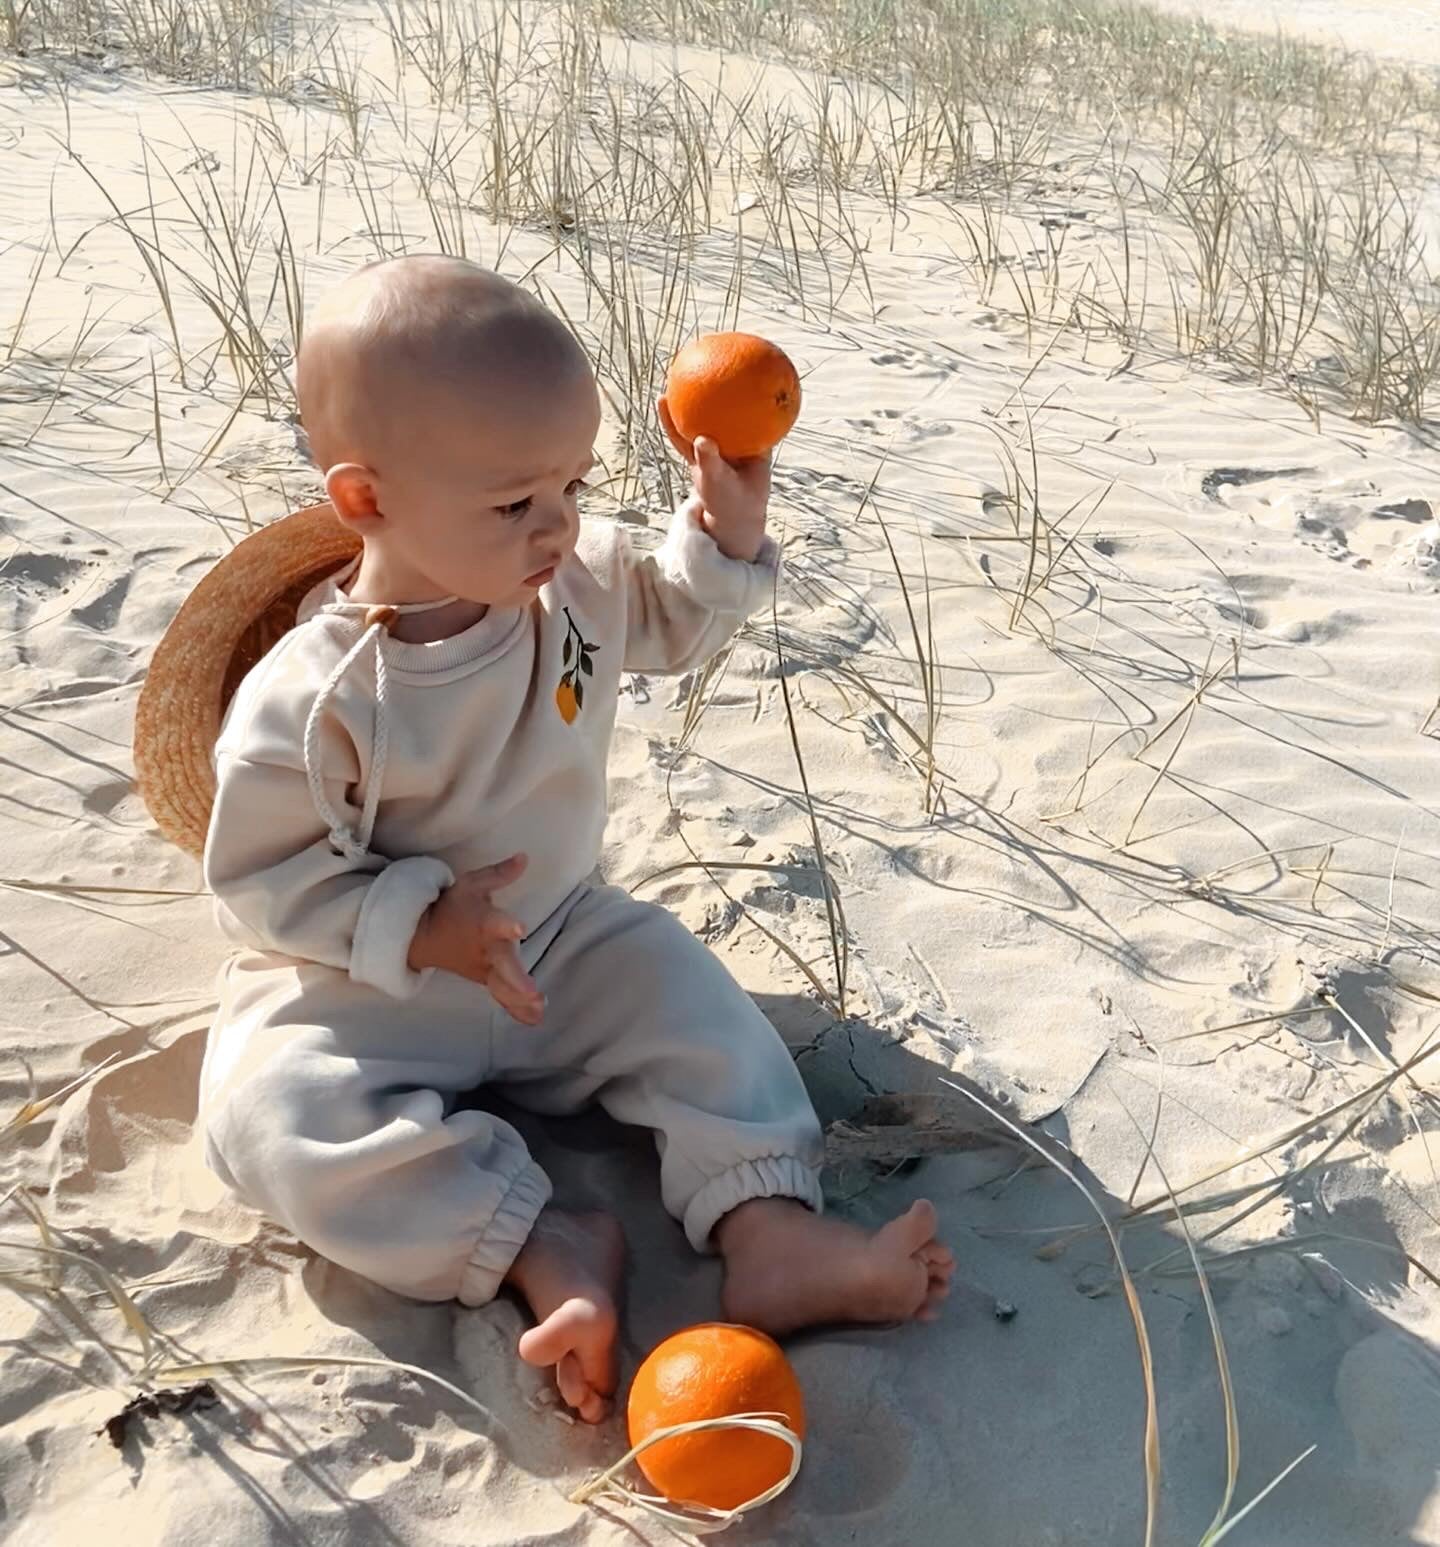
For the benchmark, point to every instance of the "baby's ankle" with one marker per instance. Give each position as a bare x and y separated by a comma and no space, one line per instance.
757,1219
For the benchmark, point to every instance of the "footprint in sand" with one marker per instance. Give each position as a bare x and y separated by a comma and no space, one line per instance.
874,1459
102,612
863,1443
1215,483
1417,512
37,575
1425,552
916,429
1388,1391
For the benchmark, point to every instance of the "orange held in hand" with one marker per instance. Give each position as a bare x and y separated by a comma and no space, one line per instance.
713,1371
740,391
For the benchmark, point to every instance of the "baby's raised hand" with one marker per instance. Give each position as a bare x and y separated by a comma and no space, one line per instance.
734,496
465,933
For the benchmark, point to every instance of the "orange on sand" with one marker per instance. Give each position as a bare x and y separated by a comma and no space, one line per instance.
712,1371
740,391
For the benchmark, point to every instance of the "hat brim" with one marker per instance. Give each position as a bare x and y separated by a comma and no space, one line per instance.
227,623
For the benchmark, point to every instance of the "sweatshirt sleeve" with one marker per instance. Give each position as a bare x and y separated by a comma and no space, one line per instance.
278,881
686,600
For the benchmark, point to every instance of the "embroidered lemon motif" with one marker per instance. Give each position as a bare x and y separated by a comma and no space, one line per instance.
570,695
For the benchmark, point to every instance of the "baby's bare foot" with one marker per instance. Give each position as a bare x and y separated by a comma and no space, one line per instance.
786,1267
569,1273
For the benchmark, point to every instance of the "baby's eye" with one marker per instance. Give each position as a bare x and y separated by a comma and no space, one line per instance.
516,508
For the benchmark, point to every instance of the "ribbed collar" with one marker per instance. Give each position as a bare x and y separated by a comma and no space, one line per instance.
472,648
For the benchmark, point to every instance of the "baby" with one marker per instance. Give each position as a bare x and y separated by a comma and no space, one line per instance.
410,805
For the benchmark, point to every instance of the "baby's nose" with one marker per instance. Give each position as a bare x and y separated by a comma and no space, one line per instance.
560,524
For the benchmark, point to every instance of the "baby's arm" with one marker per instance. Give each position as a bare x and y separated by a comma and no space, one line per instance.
280,884
716,568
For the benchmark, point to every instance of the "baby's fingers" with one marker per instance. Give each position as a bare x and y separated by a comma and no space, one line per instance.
513,989
495,925
492,877
715,477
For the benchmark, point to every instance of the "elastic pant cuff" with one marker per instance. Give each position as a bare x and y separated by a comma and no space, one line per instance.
507,1231
773,1176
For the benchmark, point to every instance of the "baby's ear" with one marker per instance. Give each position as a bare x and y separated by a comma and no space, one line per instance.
351,490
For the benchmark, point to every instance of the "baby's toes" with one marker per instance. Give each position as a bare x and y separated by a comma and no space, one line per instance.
937,1291
939,1262
577,1391
570,1378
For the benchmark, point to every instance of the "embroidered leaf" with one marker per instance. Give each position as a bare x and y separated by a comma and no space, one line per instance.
586,667
565,659
579,694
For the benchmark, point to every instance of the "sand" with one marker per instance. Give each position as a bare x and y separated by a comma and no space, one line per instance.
1403,31
1053,929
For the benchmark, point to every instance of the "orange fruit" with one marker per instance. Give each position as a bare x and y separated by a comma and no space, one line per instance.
740,391
711,1371
566,702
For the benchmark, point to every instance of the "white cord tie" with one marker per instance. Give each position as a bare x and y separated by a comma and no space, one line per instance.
354,843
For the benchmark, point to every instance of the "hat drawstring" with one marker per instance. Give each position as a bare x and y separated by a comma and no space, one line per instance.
355,844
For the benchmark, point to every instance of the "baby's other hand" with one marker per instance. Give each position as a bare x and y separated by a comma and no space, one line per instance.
465,933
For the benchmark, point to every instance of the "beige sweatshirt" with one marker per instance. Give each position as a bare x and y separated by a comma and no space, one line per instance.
487,744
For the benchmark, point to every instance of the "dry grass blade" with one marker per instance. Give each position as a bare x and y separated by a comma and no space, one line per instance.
279,1364
37,1106
157,421
783,946
1329,1000
710,866
1151,1449
1362,1098
1265,1492
839,939
19,327
149,253
1254,1020
1299,1245
68,888
1149,1155
26,1199
1222,1358
924,645
1037,521
1266,1193
704,1521
112,1285
1208,679
1427,1097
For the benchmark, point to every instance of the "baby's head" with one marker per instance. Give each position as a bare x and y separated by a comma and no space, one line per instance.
454,418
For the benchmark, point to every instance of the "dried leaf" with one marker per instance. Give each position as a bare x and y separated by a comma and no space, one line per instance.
150,1404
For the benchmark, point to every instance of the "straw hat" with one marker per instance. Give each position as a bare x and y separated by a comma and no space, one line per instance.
228,622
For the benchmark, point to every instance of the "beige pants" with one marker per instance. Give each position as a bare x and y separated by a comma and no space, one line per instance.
333,1108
